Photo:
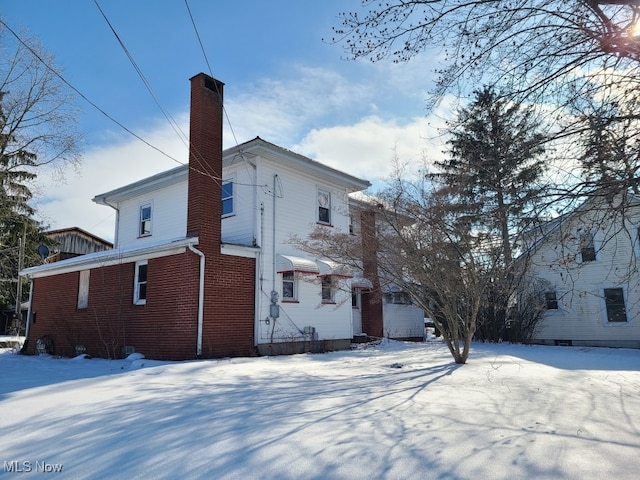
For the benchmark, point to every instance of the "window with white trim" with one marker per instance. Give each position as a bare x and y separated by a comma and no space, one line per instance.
551,300
614,301
140,283
324,207
327,288
587,247
289,287
83,289
227,198
145,220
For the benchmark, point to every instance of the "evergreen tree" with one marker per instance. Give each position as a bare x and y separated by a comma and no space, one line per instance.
494,166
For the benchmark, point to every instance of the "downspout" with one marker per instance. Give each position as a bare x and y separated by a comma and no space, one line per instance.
273,239
200,301
115,234
26,332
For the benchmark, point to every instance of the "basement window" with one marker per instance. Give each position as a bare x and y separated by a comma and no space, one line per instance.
140,284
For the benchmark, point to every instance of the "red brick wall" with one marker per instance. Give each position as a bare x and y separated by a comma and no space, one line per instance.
166,327
372,323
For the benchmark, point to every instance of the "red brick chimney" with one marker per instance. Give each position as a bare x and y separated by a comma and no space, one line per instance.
204,206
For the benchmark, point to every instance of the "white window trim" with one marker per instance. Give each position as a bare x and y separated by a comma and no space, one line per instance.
232,180
596,246
323,191
140,209
294,281
332,289
136,285
603,302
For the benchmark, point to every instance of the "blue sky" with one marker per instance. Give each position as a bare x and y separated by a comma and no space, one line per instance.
282,82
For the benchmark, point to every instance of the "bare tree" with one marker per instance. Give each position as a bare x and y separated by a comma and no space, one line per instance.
425,248
37,129
531,45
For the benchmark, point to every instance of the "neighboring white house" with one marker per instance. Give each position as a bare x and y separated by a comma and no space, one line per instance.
586,266
268,195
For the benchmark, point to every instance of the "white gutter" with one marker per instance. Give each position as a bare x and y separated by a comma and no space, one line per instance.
110,257
200,300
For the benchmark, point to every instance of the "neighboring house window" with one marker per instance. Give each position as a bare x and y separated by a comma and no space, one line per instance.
145,220
83,289
227,198
587,247
289,291
324,207
140,285
355,299
398,298
327,288
551,300
614,300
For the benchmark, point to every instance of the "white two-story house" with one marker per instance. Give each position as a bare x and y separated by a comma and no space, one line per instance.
202,265
584,266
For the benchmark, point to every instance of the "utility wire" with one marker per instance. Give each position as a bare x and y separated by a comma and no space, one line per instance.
83,96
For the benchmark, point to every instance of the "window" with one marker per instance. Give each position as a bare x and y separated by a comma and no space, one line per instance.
227,198
140,285
289,291
324,207
614,300
355,298
398,298
327,289
83,289
587,247
145,220
551,300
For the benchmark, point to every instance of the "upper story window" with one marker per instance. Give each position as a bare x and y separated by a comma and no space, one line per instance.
227,198
324,207
145,220
140,284
614,301
587,247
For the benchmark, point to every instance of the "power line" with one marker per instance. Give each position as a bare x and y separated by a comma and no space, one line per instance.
83,96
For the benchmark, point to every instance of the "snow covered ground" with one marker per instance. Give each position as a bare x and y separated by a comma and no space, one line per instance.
396,411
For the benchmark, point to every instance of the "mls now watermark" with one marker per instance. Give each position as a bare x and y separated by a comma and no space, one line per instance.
27,466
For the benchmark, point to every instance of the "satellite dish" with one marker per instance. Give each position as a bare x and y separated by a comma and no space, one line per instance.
43,251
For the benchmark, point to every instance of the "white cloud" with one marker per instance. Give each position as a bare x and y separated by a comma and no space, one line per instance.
367,148
316,112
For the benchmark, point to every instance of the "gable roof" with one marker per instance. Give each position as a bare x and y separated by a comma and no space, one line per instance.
538,235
